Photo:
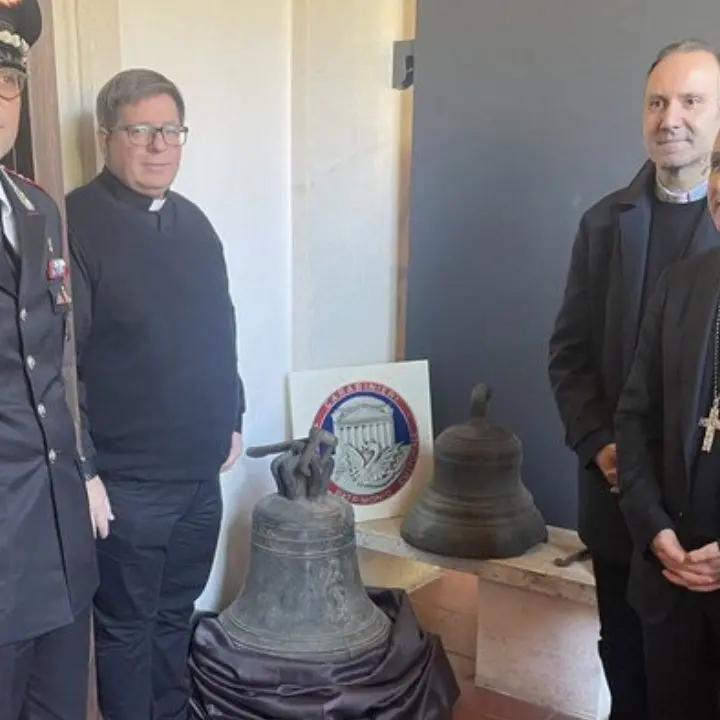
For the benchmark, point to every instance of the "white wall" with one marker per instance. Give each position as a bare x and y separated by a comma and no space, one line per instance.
232,62
294,154
346,152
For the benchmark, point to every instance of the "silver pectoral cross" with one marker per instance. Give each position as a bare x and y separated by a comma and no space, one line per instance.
711,424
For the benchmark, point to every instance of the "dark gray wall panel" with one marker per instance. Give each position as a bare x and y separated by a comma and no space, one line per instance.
526,113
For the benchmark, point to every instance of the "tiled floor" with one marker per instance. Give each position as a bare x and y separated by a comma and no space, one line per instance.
447,607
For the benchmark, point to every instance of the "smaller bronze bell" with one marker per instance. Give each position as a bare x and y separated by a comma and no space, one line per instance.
476,505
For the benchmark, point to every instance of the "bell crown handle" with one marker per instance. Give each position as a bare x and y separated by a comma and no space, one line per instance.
304,466
479,401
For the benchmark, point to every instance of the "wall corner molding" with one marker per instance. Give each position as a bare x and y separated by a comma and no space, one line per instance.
87,48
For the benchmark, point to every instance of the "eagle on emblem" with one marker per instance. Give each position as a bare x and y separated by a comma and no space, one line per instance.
371,465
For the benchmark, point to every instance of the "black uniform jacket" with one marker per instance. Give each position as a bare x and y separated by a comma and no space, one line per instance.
47,553
594,339
657,420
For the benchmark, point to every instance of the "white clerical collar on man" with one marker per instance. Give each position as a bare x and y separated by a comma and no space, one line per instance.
156,205
679,197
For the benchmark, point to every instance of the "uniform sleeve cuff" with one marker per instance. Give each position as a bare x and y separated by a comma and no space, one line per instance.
87,467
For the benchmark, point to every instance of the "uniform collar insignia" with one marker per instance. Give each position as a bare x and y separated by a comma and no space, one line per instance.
21,196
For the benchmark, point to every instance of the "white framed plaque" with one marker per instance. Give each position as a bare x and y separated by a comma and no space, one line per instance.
381,416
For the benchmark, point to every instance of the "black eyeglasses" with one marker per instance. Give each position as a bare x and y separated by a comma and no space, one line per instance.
12,84
144,135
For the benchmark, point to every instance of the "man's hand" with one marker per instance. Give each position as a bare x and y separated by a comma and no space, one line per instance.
668,550
606,460
698,571
705,562
236,449
100,511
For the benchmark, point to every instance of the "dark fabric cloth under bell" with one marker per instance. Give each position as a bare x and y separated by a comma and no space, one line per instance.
410,678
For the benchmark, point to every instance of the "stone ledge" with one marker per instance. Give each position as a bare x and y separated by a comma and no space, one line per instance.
534,571
390,571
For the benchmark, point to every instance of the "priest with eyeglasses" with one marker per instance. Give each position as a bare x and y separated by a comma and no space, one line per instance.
160,393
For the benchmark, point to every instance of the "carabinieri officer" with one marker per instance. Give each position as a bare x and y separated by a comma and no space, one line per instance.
47,553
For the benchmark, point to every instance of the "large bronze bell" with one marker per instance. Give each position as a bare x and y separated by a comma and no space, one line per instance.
476,505
303,597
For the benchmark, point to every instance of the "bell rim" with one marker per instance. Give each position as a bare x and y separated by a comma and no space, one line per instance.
373,632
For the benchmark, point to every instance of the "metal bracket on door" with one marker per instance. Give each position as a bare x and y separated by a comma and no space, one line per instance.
403,64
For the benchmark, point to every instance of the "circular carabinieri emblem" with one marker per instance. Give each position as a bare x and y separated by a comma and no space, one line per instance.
378,441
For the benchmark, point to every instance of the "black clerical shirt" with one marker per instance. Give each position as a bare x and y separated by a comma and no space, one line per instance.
671,231
157,359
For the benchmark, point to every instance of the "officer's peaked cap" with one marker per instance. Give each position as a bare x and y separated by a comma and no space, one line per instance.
20,27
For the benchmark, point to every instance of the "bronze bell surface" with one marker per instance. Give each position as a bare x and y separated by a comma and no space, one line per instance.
476,505
303,598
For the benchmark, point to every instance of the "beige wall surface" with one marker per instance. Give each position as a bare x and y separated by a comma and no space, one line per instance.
346,125
296,154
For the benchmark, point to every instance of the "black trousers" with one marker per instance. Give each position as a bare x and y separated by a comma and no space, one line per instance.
46,678
153,567
683,651
621,645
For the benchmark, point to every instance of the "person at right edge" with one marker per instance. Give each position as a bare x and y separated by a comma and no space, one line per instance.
623,245
666,426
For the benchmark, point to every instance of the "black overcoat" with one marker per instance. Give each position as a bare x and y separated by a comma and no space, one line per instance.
594,339
657,420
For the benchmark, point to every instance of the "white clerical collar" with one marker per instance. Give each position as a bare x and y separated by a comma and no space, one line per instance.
156,205
679,197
